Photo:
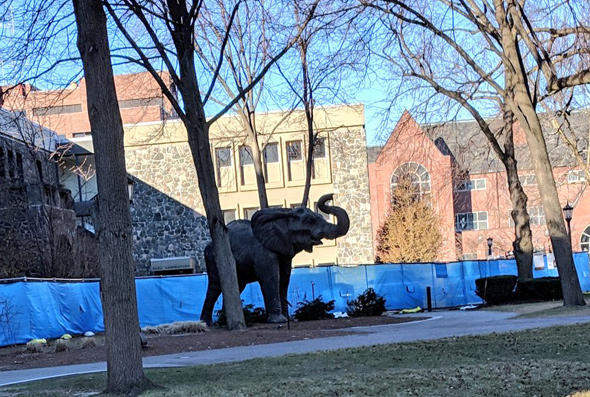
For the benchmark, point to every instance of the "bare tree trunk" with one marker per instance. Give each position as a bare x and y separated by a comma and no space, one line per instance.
523,239
124,363
249,124
307,99
521,104
198,140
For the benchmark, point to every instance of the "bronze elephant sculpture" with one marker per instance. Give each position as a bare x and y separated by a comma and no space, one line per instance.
264,248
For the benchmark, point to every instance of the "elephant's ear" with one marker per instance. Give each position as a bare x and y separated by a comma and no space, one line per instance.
270,227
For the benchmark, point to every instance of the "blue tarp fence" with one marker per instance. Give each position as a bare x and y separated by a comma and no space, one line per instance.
47,309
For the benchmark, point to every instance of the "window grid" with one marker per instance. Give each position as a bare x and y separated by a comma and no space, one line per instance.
471,221
576,176
471,184
536,215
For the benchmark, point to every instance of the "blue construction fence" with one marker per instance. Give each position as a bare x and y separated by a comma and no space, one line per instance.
46,309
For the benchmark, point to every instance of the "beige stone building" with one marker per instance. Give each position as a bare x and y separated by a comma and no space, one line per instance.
157,154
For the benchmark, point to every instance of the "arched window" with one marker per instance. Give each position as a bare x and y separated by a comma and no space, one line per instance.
415,175
585,240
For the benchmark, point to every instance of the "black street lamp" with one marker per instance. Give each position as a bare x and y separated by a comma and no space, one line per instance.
490,242
568,211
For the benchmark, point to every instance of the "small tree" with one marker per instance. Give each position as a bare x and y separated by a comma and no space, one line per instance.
410,232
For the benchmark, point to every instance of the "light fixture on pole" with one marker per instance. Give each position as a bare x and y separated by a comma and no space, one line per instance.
568,212
490,242
130,186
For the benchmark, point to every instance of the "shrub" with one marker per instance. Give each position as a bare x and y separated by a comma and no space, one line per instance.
496,290
366,304
544,289
316,309
252,315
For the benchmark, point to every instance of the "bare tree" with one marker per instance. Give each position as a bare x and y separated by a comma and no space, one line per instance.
172,23
124,360
481,51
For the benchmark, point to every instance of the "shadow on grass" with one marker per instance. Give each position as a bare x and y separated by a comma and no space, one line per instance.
544,362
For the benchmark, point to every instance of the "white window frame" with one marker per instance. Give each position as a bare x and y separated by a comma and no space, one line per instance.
476,222
576,176
468,185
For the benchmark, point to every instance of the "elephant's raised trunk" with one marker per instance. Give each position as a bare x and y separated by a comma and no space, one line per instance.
342,221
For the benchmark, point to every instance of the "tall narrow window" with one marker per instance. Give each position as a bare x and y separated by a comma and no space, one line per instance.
294,155
223,162
11,165
2,166
39,170
19,166
245,161
271,162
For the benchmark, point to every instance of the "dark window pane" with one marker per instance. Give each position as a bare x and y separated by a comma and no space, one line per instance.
294,151
223,157
246,155
271,153
229,215
249,212
319,148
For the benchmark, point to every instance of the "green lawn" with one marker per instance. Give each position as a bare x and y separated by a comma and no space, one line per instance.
546,362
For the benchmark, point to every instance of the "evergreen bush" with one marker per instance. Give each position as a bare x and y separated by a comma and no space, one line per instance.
540,289
316,309
496,289
366,304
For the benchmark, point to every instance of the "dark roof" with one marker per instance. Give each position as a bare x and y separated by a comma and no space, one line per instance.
472,152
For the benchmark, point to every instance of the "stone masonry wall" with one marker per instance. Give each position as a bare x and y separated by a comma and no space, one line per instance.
351,190
167,210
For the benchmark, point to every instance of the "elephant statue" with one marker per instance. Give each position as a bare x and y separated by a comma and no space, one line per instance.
264,247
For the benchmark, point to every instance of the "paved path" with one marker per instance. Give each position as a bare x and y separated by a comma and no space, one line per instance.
439,325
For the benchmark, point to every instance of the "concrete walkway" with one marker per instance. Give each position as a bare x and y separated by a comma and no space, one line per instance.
439,325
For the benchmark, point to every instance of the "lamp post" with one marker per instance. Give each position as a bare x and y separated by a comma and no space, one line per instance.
490,242
568,211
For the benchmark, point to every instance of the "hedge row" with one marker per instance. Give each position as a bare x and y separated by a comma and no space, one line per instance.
502,289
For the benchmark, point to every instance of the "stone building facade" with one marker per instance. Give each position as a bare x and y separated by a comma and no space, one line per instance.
37,221
168,214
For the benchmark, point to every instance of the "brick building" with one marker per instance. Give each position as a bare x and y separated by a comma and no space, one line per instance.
65,111
468,186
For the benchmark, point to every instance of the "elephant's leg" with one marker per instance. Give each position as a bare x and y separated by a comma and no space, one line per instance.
285,277
213,292
272,302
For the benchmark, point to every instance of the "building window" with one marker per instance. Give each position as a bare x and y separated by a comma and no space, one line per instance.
585,240
322,213
2,167
294,151
294,155
249,212
470,184
223,161
414,173
470,256
471,221
319,149
536,215
46,111
140,103
271,153
576,176
11,166
246,156
528,180
19,166
229,215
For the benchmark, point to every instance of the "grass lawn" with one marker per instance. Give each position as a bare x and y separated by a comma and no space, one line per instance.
545,362
544,309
